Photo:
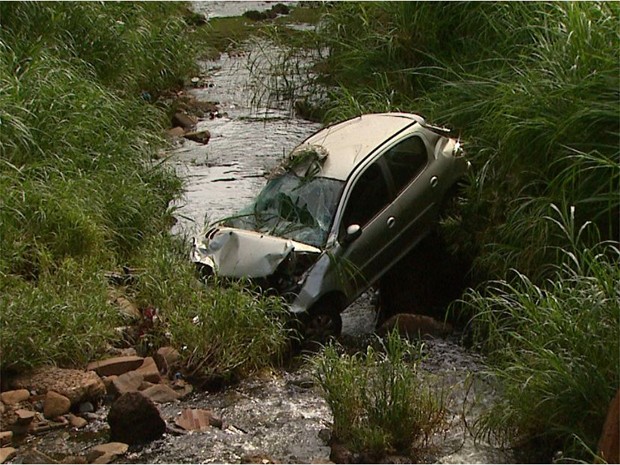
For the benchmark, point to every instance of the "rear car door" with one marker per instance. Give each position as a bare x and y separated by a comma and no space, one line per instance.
415,179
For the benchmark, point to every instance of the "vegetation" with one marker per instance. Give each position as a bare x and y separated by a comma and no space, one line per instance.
532,90
379,403
223,332
554,348
83,193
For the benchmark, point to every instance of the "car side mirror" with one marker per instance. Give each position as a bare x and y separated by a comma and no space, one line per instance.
353,232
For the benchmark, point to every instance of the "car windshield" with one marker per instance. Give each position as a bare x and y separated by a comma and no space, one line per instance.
297,208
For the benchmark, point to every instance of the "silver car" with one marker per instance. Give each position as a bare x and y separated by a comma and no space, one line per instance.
342,208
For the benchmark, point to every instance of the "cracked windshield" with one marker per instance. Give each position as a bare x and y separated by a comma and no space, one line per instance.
296,208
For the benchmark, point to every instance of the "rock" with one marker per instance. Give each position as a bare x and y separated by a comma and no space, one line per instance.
77,422
149,371
161,394
19,421
108,382
116,365
167,359
35,456
145,385
340,454
608,442
325,435
135,419
76,459
105,453
75,385
127,382
2,408
182,388
24,417
86,407
257,458
7,453
6,437
177,131
201,137
197,420
410,325
183,120
15,397
55,405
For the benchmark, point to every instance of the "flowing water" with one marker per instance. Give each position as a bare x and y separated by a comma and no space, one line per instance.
276,416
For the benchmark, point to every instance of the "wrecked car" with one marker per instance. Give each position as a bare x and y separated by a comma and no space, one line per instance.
341,209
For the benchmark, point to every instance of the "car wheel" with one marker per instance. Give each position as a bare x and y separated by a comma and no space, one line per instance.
321,324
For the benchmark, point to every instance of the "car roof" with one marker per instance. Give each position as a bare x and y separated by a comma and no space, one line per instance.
350,142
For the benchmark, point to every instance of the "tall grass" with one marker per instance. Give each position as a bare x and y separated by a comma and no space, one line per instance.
65,320
130,47
379,404
79,187
554,348
221,331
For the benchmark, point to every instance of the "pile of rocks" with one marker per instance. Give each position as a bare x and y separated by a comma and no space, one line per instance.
50,398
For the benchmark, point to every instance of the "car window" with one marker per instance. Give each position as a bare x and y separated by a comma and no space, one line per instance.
406,160
370,195
296,208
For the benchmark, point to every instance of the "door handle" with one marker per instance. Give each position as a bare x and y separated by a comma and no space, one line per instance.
391,221
434,181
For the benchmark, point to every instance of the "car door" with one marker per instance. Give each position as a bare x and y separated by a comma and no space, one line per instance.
370,206
415,179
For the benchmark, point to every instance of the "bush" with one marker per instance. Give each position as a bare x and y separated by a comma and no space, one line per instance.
379,404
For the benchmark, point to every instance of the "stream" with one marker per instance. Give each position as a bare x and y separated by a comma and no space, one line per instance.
280,417
276,416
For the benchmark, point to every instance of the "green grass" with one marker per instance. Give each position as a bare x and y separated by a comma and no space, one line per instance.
379,404
554,349
220,331
65,320
82,192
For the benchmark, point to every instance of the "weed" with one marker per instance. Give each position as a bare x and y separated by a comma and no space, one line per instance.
379,404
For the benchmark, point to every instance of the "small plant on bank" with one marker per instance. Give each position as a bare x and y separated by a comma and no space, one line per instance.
380,405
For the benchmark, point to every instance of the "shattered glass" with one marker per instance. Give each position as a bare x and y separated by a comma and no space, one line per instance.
293,207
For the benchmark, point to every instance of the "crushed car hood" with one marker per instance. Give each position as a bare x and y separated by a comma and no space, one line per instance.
239,253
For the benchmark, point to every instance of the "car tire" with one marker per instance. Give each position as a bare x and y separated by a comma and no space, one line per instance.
320,324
